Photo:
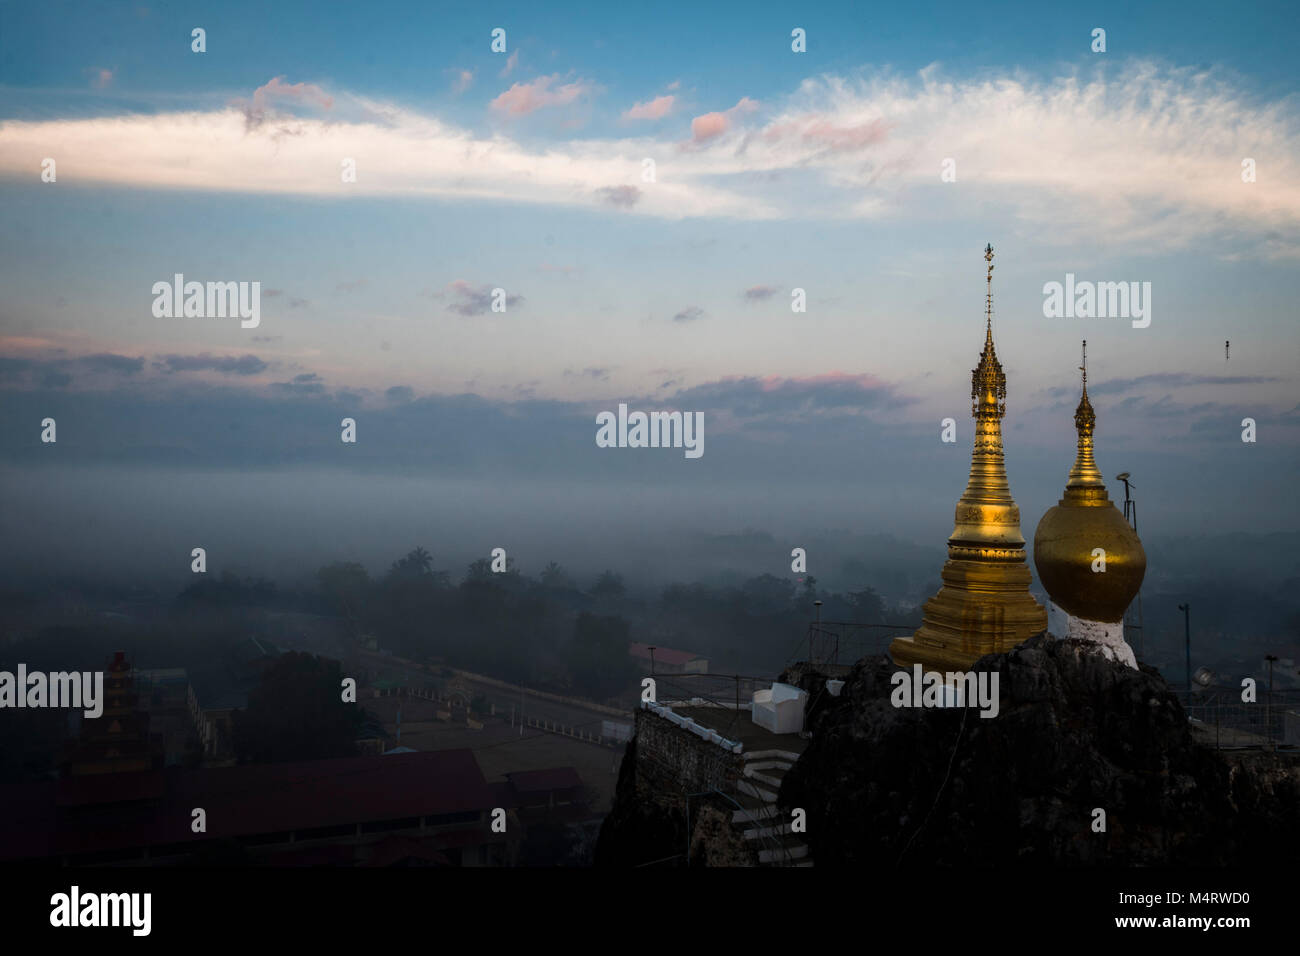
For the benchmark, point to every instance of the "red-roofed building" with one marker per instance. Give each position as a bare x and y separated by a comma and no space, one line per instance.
668,660
318,812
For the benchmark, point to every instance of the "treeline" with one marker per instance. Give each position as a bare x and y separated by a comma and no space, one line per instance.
556,631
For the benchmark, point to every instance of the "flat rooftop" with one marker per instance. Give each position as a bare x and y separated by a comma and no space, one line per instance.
736,725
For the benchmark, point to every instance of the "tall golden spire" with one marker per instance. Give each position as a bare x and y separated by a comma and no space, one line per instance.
1085,473
984,606
987,520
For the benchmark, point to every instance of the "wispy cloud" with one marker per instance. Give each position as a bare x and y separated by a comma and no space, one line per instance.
225,364
524,98
1148,157
657,108
710,126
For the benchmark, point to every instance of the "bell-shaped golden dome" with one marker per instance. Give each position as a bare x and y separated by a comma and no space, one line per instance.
1069,536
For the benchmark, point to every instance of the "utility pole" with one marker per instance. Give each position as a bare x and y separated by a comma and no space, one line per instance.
652,660
1187,638
1131,516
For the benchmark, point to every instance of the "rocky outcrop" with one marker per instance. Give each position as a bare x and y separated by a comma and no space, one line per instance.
1075,733
648,823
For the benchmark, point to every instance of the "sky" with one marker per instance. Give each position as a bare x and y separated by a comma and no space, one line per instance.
868,171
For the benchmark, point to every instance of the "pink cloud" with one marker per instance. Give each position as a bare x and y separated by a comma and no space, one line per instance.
657,108
463,81
102,79
708,126
816,131
511,62
524,98
712,125
257,111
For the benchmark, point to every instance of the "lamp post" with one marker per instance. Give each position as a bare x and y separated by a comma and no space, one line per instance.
1187,639
1131,516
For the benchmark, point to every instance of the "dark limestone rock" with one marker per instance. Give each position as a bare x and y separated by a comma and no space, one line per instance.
923,787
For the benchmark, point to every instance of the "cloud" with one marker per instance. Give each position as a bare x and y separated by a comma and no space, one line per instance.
60,372
1115,386
710,126
102,79
399,394
592,373
475,300
511,62
1147,157
352,285
749,397
623,196
657,108
260,108
225,364
462,81
524,98
119,364
823,134
298,388
759,293
689,314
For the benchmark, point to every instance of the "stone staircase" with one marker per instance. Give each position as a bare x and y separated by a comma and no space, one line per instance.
759,820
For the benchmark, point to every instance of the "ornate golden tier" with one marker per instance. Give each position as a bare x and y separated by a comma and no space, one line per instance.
984,606
1083,520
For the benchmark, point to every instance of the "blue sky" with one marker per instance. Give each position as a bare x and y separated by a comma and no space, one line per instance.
774,171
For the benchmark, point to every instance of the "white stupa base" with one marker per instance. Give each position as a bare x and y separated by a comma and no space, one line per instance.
1109,638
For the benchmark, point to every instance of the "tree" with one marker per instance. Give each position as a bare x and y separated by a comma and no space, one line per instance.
296,712
554,576
416,564
867,606
598,658
346,588
608,585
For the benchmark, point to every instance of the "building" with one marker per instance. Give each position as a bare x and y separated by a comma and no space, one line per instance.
119,739
1088,557
667,660
984,606
165,693
403,809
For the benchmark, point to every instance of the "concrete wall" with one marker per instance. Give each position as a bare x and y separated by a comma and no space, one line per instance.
673,758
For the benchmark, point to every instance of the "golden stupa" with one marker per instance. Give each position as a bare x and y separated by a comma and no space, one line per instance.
1068,538
984,606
